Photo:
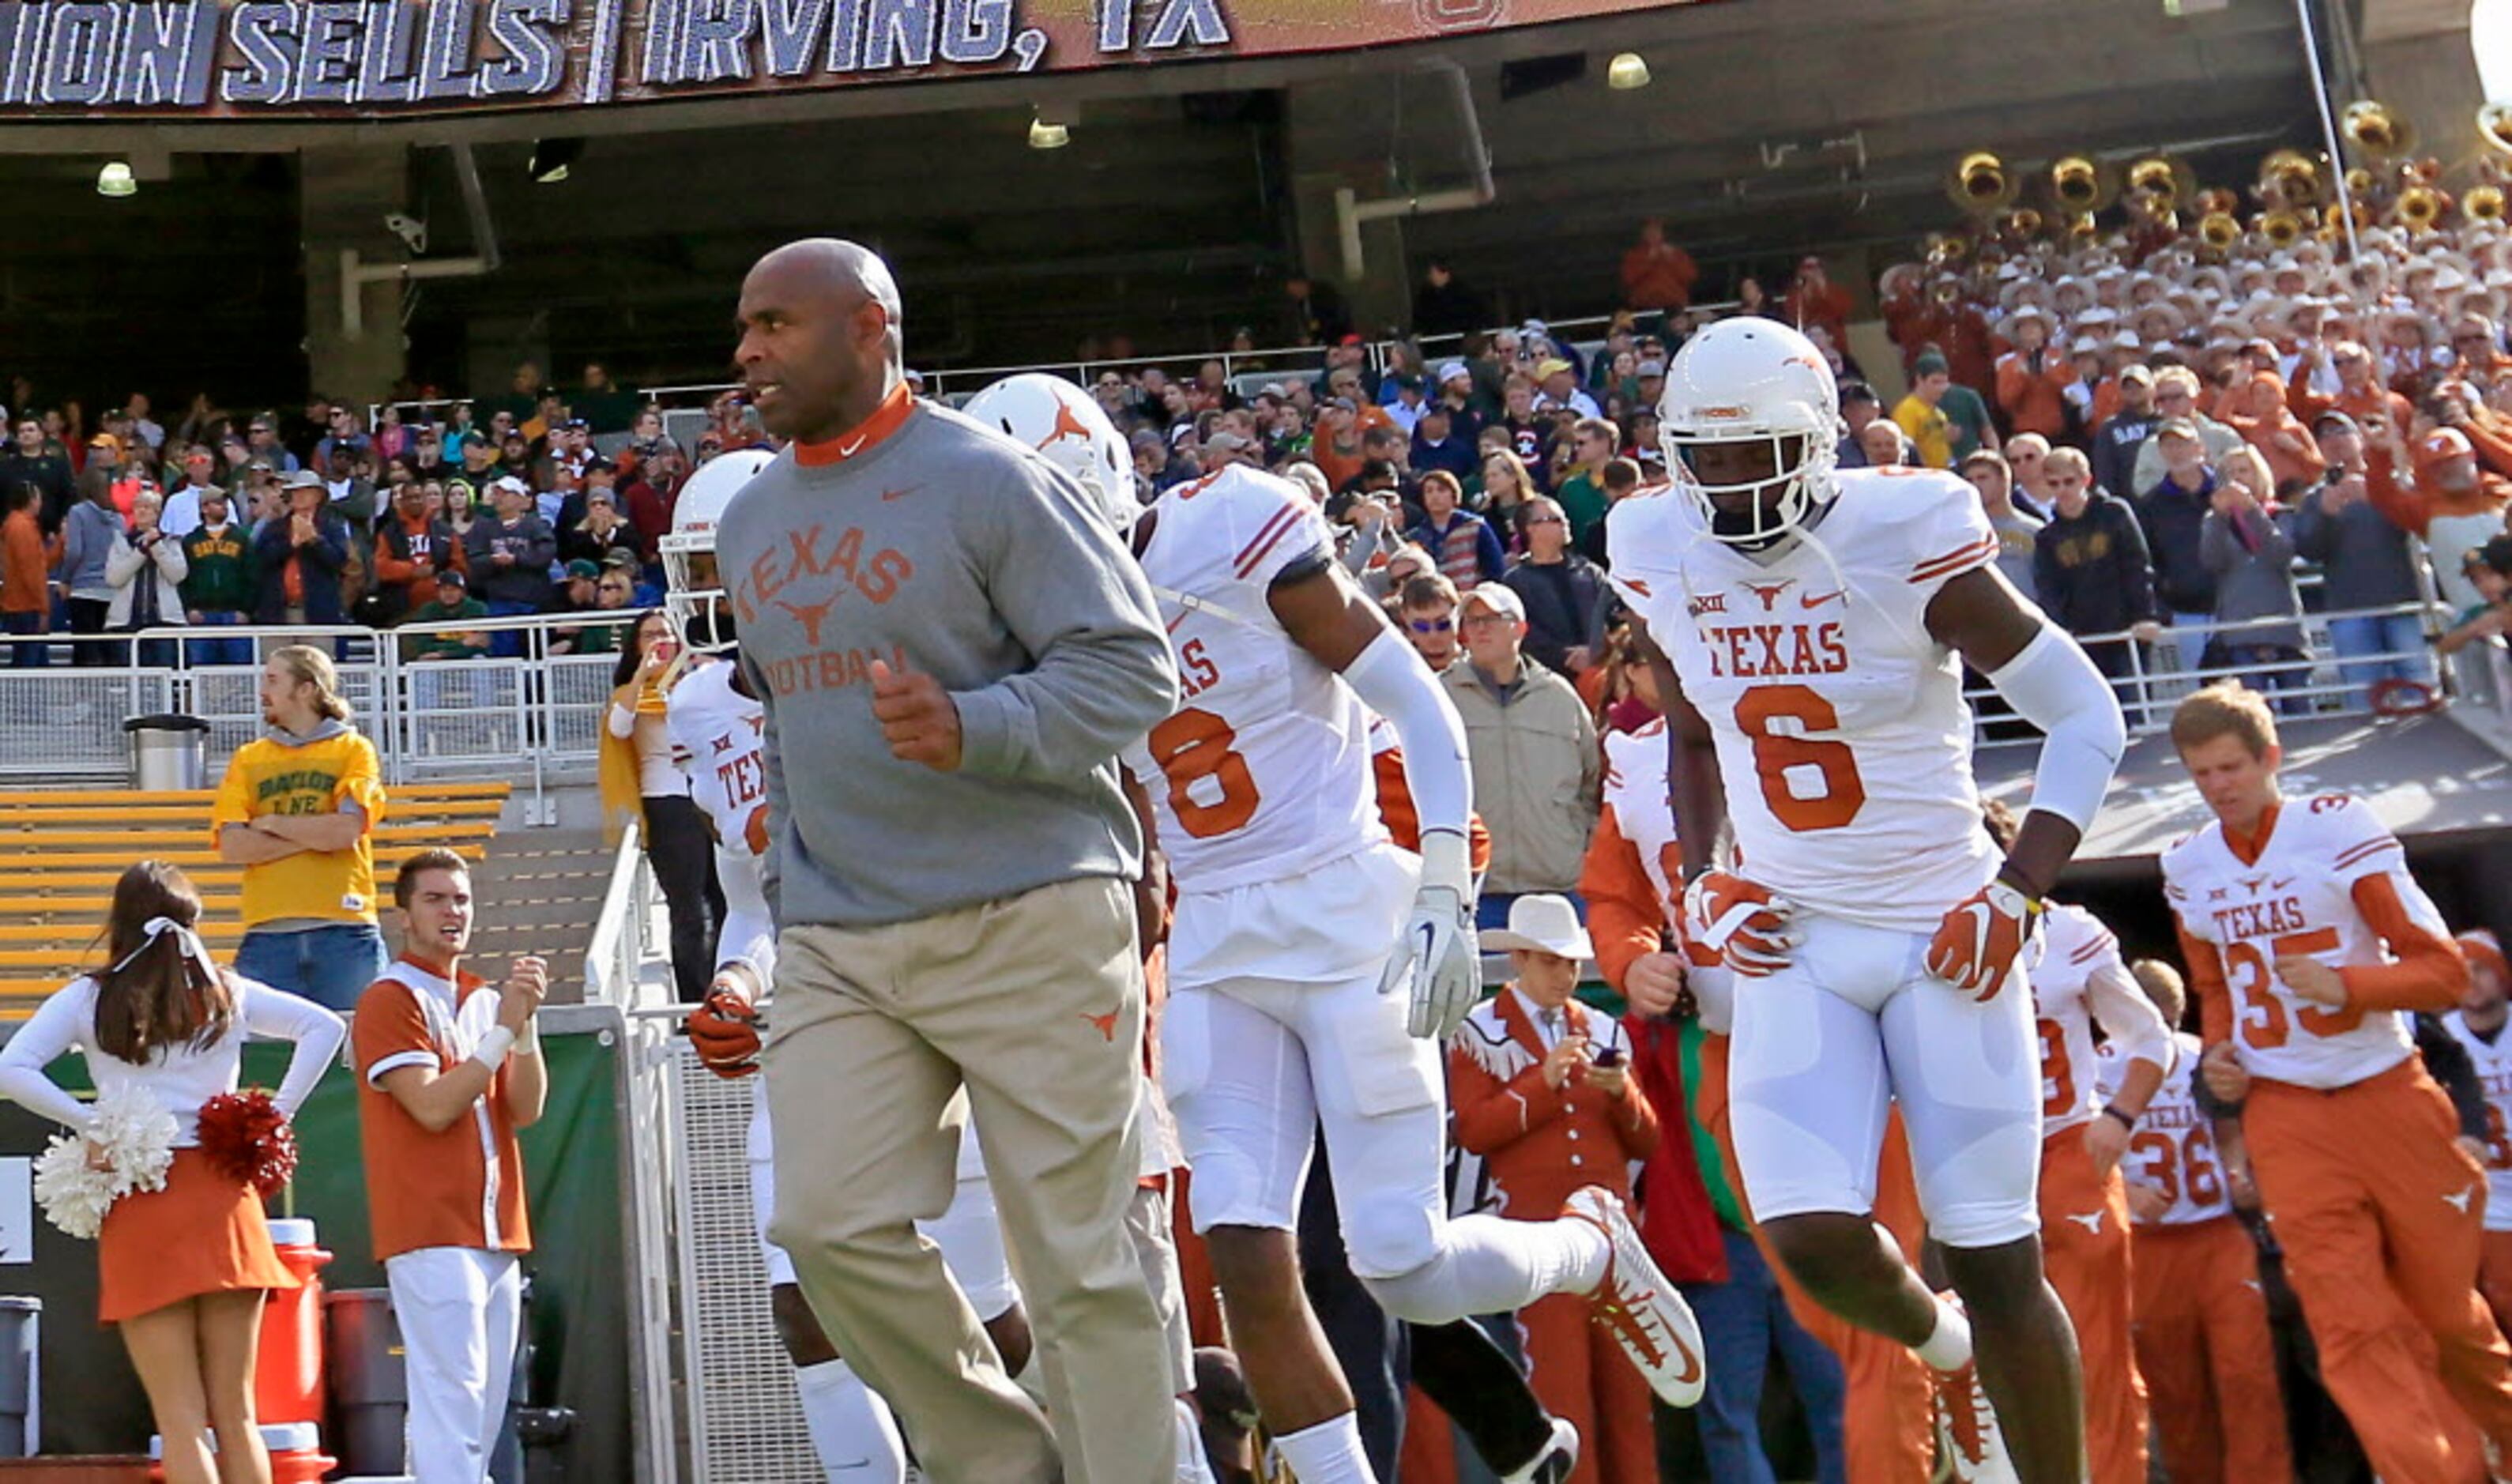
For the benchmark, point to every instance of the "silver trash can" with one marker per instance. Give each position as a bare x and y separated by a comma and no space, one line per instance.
168,752
20,1326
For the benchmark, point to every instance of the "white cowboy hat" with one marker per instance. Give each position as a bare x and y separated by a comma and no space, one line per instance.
1544,923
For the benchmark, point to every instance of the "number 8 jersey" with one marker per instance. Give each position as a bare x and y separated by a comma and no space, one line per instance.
1843,740
1263,775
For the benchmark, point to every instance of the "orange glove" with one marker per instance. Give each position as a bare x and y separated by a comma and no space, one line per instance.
1739,922
1978,940
725,1030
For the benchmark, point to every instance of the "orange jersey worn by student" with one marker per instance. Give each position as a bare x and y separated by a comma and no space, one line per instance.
2308,941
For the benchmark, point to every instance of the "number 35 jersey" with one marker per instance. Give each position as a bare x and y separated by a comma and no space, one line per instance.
1263,773
1843,739
2304,893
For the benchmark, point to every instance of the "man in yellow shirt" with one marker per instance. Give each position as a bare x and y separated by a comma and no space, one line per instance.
1921,416
297,809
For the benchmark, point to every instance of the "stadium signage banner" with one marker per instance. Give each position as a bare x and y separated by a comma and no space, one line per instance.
242,59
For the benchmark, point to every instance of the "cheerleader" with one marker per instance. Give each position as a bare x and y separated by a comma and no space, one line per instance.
181,1268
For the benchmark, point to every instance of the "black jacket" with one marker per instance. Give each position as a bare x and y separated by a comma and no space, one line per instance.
2091,574
2173,518
1554,627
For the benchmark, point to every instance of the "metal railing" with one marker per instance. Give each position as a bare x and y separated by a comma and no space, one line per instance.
533,716
2315,680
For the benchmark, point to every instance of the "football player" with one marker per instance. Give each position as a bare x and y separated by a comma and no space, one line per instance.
2079,982
2309,943
716,725
1811,630
2203,1342
1312,965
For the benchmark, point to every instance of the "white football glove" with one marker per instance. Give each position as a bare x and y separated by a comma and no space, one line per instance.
1438,957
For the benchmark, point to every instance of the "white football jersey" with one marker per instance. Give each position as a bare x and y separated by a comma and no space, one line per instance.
1263,773
1635,790
2078,981
2174,1147
2494,1063
2297,899
1843,739
715,733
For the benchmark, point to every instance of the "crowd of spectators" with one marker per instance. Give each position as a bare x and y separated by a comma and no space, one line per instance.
328,516
2178,423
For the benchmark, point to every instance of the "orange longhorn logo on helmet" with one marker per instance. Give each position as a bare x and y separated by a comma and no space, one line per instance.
1724,413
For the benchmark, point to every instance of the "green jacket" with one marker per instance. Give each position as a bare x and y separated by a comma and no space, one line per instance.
224,576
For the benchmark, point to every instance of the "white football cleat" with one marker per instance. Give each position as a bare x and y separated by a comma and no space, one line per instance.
1636,1302
1971,1448
1553,1464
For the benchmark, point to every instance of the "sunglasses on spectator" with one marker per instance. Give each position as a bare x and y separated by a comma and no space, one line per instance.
1431,625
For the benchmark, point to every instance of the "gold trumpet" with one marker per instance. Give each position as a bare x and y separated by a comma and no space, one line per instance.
1981,184
2419,208
2220,231
1948,291
2483,202
2495,126
2292,178
2374,129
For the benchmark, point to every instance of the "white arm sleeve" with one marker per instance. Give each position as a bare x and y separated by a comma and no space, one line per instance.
2129,1020
316,1031
57,1025
1392,681
2053,685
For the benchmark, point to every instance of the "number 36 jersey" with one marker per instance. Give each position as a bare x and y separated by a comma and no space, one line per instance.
1263,773
1843,740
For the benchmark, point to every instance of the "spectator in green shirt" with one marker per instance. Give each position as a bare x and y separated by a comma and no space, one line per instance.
1581,490
454,603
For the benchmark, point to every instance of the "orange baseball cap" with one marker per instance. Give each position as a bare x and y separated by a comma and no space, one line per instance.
105,441
2441,445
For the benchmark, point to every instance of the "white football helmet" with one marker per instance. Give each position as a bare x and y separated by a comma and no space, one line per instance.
1745,381
693,591
1062,421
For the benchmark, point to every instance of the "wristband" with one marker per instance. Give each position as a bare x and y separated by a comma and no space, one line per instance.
2127,1121
493,1046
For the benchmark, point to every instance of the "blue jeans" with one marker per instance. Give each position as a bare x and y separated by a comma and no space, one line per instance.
219,651
34,655
2401,637
2190,641
331,966
1491,914
1741,1320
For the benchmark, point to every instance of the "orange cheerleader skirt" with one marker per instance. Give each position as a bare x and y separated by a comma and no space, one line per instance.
202,1234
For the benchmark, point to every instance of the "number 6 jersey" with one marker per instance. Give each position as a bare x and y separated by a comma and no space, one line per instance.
1263,775
1844,743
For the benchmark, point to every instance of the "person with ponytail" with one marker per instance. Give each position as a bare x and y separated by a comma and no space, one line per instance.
181,1268
297,809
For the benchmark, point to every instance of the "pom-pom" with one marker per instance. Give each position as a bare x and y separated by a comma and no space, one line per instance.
247,1137
128,1146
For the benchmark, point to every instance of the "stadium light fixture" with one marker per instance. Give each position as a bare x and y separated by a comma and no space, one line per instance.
1627,70
116,181
1047,134
551,159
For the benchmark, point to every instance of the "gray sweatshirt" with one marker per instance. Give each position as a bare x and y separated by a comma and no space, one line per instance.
948,549
2254,581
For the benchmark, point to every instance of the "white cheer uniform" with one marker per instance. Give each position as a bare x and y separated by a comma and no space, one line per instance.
1845,748
714,732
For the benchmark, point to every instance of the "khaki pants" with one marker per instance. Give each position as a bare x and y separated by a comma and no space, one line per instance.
1035,1004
